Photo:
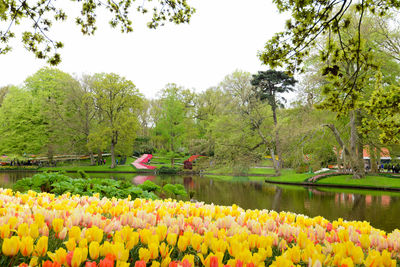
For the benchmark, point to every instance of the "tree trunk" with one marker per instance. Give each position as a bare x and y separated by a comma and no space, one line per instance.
372,159
92,161
356,151
112,155
172,153
277,142
275,163
99,156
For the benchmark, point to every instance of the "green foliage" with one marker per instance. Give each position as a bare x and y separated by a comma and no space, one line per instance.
59,184
83,174
168,170
43,14
118,102
175,189
170,125
302,168
149,186
270,83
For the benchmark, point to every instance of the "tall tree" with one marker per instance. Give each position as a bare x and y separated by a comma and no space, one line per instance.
249,115
49,87
21,125
170,124
118,102
269,84
312,19
43,14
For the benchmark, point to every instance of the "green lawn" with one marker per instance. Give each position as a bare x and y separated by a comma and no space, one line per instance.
290,176
85,165
373,181
157,161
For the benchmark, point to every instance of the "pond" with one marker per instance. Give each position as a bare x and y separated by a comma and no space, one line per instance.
380,208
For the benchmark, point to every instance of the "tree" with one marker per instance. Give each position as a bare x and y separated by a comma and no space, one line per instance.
253,134
43,14
312,19
118,102
49,88
21,125
268,85
170,125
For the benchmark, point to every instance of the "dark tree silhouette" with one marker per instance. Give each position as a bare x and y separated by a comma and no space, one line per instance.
267,85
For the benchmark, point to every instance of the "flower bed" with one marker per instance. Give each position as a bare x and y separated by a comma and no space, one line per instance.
70,230
139,163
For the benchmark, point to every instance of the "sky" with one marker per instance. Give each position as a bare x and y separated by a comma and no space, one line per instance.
223,35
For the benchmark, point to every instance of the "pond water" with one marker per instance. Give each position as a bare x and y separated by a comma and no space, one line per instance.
380,208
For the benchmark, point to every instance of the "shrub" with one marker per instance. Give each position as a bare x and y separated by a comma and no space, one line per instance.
302,168
59,184
83,174
168,170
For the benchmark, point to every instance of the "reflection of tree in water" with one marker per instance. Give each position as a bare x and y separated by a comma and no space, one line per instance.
8,178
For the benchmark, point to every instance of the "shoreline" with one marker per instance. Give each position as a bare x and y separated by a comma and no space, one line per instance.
377,188
304,184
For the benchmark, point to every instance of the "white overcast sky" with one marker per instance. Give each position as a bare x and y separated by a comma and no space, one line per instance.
222,36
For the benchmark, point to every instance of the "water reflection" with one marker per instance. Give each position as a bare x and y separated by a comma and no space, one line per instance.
378,207
140,179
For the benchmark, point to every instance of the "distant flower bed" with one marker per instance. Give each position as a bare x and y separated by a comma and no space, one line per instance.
325,175
139,163
8,167
42,229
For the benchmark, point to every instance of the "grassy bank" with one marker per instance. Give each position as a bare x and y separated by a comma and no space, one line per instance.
369,180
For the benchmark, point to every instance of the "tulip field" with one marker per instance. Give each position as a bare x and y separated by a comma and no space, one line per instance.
41,229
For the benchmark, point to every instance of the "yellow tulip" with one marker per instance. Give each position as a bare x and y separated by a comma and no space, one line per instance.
302,240
12,222
70,244
164,251
26,246
11,246
39,220
347,262
94,234
161,232
386,258
183,242
57,224
5,231
77,258
75,232
94,250
83,243
23,230
41,246
122,264
105,248
145,235
59,256
155,264
165,262
120,252
153,248
132,241
144,254
171,239
196,241
34,230
34,261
